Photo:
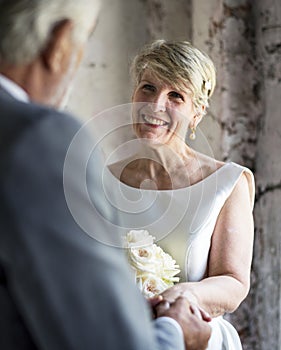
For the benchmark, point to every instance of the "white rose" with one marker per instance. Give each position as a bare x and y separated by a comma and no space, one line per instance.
152,285
144,259
154,269
138,238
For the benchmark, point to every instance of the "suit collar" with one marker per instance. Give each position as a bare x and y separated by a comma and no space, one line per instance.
13,89
5,94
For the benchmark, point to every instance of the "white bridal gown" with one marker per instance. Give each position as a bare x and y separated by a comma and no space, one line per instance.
183,221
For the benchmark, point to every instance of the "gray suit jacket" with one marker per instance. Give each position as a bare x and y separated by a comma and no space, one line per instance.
61,289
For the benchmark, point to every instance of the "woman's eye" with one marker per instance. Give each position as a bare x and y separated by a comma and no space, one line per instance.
148,87
176,95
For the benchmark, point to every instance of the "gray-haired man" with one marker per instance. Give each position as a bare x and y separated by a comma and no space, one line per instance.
61,289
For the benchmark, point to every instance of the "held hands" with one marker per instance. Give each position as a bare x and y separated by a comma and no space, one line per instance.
182,289
196,331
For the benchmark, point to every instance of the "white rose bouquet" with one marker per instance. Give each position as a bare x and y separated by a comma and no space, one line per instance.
154,269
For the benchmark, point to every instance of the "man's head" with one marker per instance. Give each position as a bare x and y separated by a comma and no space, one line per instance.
42,42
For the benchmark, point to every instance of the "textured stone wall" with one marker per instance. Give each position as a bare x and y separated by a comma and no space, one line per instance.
103,80
166,19
232,34
266,291
203,14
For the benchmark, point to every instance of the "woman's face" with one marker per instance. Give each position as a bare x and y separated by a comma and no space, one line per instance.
161,113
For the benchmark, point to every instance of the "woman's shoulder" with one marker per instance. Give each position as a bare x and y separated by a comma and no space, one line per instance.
229,174
209,165
245,180
233,176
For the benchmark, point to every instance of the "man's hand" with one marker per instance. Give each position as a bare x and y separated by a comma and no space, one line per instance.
196,332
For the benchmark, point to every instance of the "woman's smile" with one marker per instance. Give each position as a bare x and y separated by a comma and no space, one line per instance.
153,125
153,121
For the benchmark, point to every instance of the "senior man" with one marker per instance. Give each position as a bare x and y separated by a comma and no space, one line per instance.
60,288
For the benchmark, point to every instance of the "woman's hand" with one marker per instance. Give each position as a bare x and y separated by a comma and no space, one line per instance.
180,290
154,302
200,313
183,290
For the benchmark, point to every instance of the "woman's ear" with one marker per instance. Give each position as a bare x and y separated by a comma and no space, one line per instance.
58,50
198,116
196,120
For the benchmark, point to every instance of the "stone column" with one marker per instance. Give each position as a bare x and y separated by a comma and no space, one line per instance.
266,290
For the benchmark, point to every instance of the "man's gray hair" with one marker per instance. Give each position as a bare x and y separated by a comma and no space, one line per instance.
26,25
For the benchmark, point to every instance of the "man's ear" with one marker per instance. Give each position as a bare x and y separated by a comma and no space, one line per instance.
58,48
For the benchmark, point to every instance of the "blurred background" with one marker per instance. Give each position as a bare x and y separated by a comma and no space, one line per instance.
243,123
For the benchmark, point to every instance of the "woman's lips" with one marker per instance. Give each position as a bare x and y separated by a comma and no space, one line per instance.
153,122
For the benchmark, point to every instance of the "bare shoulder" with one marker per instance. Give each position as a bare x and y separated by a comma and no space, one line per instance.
242,189
245,184
241,198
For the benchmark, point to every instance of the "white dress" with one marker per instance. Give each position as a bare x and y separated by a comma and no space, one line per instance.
183,221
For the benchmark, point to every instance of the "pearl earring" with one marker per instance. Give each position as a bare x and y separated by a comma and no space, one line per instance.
192,136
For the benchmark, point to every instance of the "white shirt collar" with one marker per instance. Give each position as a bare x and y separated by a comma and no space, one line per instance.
13,89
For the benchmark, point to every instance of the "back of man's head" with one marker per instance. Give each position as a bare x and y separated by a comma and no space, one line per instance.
26,25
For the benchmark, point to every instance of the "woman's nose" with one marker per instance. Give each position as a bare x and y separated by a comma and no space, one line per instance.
159,103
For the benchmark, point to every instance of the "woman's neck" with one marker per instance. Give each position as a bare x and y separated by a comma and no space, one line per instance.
153,159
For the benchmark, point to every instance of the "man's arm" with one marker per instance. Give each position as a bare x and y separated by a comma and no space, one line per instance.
72,291
196,332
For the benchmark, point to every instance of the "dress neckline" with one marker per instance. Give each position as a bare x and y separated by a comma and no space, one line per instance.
176,189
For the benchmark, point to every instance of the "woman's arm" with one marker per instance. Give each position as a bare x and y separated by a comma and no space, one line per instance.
228,280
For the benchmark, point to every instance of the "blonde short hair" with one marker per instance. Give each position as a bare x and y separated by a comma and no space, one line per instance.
180,65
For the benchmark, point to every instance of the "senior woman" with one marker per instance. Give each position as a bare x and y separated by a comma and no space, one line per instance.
199,208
